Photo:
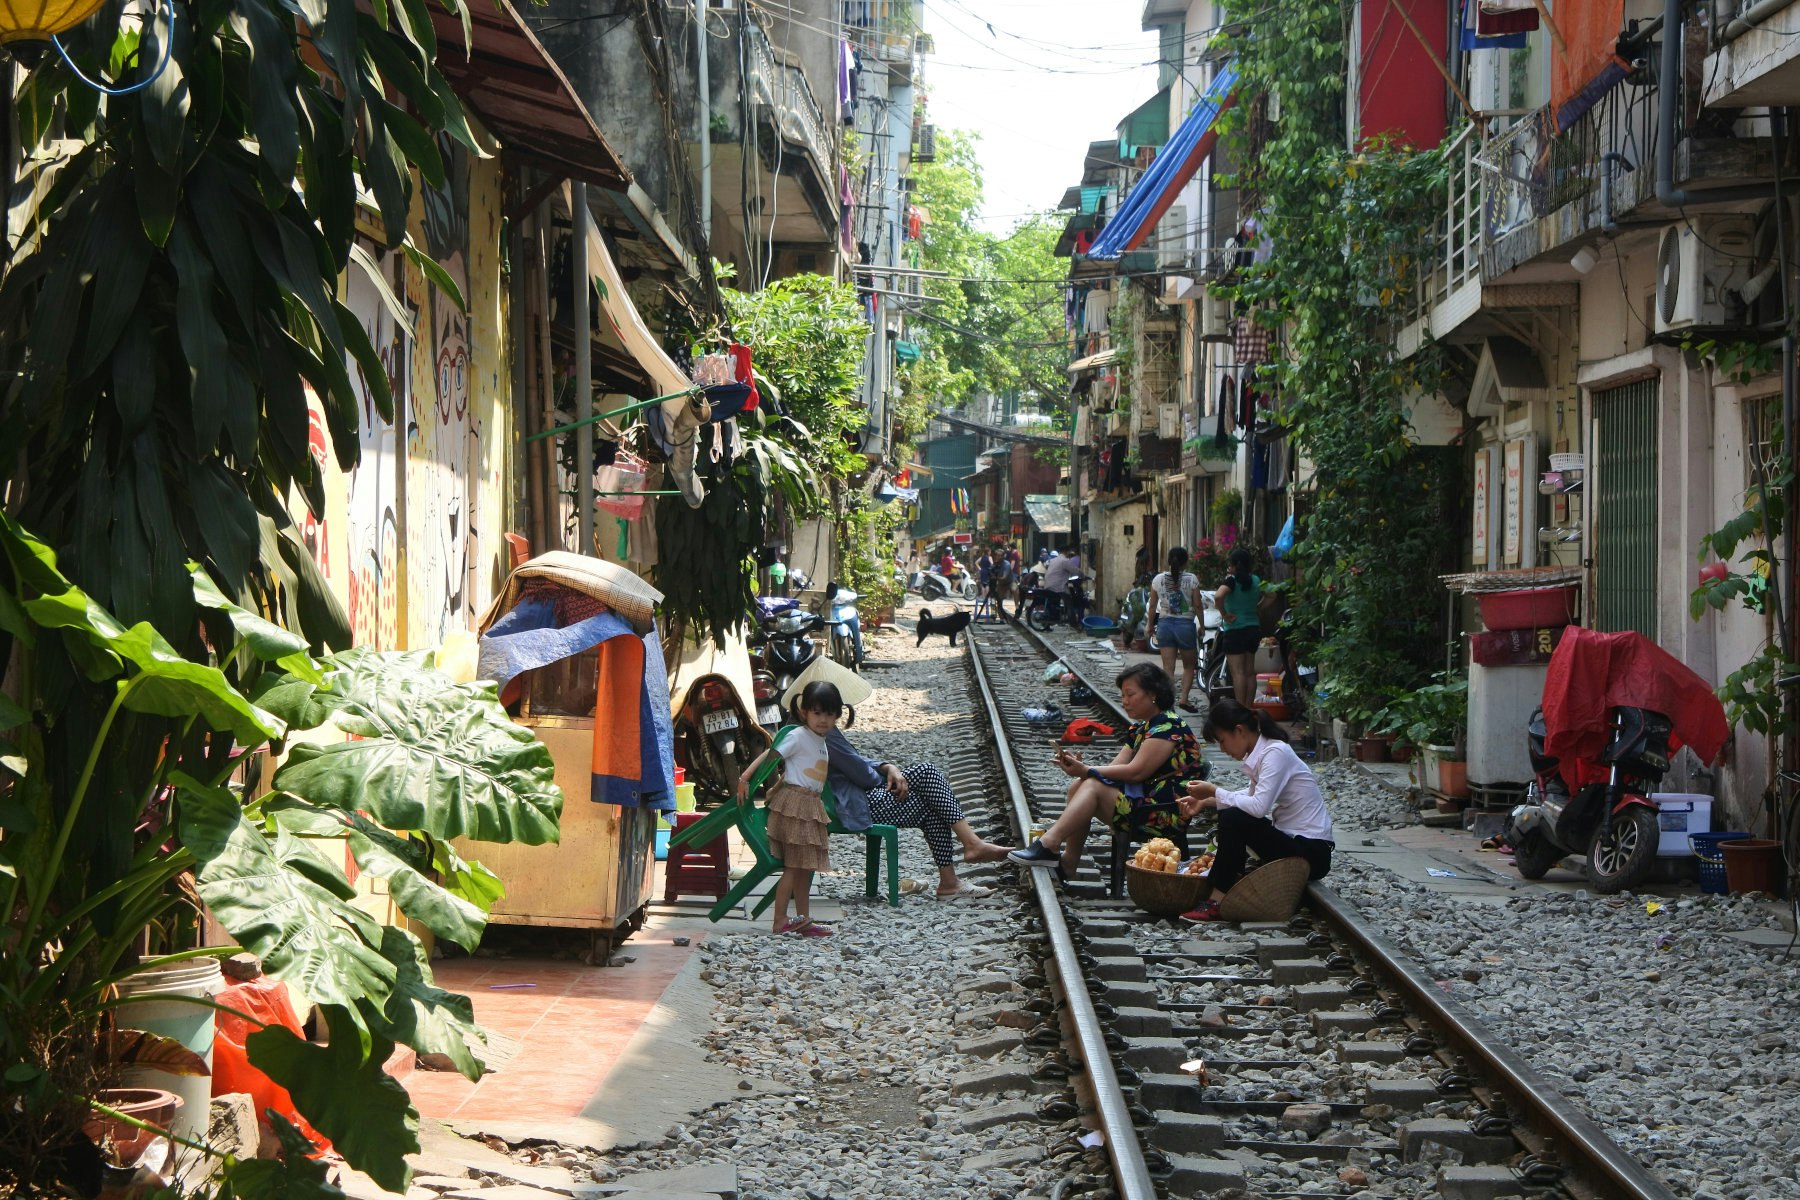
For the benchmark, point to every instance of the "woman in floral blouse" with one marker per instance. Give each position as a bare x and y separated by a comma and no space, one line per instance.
1137,791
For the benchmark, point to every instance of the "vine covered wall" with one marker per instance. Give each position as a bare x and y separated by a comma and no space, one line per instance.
1347,228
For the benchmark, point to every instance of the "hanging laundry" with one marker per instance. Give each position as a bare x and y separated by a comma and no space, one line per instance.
741,372
1250,341
1221,438
1482,30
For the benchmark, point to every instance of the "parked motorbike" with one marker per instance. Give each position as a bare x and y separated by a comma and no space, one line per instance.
841,619
934,586
715,739
782,632
1045,609
1611,819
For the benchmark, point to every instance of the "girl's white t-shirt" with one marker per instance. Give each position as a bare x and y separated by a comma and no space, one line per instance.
804,759
1172,600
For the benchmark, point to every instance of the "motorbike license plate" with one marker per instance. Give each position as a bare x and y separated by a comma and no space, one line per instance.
718,722
769,714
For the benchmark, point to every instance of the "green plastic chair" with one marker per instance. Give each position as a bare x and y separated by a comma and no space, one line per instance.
751,820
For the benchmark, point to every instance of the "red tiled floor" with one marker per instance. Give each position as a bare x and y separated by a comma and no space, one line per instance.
572,1026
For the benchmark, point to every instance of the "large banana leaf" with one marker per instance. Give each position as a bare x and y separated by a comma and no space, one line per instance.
304,933
163,682
342,1090
428,753
403,862
423,1015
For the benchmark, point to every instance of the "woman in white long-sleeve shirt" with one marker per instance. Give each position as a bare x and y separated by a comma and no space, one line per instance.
1280,815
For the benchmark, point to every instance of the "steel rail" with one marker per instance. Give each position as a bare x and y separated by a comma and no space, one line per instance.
1130,1174
1585,1148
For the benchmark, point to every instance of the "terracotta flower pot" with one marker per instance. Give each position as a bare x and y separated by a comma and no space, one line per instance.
1371,750
122,1143
1453,778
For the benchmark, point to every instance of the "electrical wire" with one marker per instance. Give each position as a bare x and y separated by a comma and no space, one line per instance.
167,47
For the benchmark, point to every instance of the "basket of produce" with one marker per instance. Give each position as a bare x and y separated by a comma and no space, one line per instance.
1156,883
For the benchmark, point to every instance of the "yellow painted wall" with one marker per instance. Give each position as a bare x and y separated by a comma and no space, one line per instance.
411,539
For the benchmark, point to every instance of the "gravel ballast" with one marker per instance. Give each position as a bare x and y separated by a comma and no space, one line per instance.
1669,1032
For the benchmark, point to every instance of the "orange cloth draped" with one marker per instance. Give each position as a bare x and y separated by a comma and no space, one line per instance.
618,728
1591,29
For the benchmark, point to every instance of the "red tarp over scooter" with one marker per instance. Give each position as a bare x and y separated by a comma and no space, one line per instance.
1592,673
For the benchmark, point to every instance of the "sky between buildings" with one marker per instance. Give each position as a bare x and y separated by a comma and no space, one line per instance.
1038,80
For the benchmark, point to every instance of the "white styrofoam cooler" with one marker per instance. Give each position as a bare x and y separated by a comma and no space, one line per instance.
1677,815
1500,704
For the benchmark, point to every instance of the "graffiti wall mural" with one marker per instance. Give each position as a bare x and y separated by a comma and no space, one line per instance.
372,534
410,538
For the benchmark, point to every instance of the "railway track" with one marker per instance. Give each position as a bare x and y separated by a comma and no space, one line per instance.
1332,1065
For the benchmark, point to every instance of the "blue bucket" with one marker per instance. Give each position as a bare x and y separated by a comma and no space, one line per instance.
1712,859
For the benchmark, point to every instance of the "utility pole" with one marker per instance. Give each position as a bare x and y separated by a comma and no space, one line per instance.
705,109
584,370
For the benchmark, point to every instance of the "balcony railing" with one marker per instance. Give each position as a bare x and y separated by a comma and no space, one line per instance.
1449,277
784,90
1585,177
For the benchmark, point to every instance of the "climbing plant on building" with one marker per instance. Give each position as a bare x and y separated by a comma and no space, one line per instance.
807,336
1346,228
1740,556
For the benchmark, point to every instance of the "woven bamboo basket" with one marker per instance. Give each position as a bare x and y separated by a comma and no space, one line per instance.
1163,893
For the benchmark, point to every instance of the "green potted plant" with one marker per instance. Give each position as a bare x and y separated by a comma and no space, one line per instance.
1226,511
1440,716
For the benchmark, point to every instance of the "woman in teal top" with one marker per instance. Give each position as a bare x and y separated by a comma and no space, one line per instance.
1241,632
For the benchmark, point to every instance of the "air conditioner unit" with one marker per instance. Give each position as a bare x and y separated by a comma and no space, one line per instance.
1171,237
1168,420
1701,267
926,149
1215,317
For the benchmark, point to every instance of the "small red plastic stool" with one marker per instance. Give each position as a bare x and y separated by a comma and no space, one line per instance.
697,870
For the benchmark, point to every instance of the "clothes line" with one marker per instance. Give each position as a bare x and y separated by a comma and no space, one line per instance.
638,406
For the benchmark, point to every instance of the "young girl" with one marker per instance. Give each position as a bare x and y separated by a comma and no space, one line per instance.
797,822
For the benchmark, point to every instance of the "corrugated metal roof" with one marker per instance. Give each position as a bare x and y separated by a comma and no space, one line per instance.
1049,513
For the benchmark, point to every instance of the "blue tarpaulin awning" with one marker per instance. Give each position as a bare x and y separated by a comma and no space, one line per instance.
1156,191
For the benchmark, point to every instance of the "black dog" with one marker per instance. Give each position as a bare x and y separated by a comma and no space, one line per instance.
950,626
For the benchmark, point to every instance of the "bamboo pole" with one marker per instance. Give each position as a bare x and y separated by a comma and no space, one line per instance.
546,240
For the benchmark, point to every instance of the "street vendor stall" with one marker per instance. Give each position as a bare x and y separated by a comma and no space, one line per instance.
572,643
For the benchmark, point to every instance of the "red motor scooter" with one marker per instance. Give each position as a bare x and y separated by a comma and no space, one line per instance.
1615,707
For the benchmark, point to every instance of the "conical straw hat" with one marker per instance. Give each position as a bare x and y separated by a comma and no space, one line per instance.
1269,893
852,687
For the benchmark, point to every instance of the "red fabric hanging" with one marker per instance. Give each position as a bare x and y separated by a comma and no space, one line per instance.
1591,30
1592,673
740,361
